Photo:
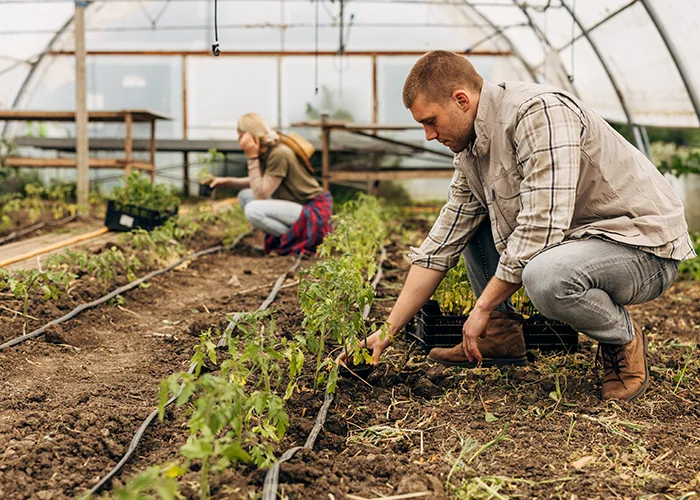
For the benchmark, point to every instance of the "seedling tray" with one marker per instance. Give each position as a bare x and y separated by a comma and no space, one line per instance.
431,329
205,190
549,335
123,217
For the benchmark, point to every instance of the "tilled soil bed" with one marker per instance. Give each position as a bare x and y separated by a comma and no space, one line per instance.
71,402
69,409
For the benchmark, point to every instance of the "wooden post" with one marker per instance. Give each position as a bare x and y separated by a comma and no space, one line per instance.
127,144
153,150
81,115
375,99
185,158
371,183
325,154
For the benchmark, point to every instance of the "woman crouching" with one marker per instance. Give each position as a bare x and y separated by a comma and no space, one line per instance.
280,195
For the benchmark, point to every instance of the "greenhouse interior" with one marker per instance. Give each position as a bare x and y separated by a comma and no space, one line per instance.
349,249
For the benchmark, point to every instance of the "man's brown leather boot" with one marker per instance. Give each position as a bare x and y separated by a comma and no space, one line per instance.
502,344
626,367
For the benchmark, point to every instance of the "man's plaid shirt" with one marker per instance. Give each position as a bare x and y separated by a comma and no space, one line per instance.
547,155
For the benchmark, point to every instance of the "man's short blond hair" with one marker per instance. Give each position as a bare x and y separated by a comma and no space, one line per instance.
437,74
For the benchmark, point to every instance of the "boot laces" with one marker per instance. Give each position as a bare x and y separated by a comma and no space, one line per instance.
613,359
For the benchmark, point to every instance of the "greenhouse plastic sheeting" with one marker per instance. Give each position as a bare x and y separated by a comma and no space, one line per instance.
633,61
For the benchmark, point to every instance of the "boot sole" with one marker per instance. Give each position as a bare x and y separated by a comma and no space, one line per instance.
487,362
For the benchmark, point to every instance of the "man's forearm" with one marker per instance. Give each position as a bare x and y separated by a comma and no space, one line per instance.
496,292
419,287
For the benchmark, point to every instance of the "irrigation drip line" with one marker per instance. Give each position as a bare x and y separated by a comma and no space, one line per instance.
272,478
16,234
229,329
114,293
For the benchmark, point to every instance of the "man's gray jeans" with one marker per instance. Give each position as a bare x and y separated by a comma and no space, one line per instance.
274,217
584,283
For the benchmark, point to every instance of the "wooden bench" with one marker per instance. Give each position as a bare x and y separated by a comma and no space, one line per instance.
126,116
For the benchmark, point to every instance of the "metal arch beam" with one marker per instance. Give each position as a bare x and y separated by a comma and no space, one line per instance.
598,24
677,60
543,36
606,68
506,38
37,63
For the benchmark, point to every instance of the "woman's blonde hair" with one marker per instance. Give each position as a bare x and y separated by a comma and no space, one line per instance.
256,126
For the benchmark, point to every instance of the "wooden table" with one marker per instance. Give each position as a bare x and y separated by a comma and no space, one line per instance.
126,116
370,130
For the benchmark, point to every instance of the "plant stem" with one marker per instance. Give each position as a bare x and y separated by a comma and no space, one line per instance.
500,437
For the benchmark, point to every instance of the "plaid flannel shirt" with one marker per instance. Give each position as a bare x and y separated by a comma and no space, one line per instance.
547,142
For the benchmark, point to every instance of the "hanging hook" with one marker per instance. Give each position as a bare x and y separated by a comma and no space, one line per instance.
215,46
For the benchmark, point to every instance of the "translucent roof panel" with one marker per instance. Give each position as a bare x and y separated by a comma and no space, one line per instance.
631,60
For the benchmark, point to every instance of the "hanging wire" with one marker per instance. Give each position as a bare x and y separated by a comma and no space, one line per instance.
215,46
316,55
573,26
160,14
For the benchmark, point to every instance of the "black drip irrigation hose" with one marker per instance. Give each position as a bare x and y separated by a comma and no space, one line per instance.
229,329
16,234
272,478
120,290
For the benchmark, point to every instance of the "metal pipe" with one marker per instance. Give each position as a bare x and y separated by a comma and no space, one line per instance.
513,49
608,72
598,24
677,60
400,143
270,53
543,37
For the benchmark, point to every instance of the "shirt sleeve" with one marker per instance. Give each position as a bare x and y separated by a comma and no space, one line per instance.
547,139
458,220
277,164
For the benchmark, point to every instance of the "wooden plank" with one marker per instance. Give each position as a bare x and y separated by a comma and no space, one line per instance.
16,161
81,113
355,126
127,144
342,141
138,115
325,155
153,151
391,175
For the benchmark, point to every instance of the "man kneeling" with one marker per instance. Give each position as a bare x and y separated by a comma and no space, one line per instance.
545,195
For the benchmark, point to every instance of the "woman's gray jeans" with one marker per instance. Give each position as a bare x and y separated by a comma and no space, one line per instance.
274,217
584,283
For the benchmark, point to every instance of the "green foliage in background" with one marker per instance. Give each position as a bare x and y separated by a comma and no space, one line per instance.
690,269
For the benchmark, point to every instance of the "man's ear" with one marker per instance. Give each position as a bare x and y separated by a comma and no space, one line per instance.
462,99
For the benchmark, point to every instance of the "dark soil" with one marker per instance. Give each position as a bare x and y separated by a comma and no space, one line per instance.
68,409
70,405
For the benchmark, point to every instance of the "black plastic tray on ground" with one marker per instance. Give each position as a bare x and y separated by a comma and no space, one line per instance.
122,217
433,329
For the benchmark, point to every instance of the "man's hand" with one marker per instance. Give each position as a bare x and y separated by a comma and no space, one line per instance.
374,344
473,329
250,145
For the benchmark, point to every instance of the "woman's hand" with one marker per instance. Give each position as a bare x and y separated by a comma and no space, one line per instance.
218,182
250,145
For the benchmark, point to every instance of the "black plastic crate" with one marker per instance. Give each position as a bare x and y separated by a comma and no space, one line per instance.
205,190
549,335
122,217
433,329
